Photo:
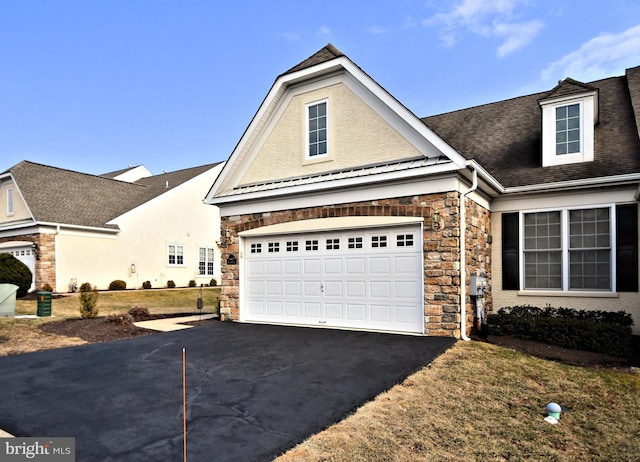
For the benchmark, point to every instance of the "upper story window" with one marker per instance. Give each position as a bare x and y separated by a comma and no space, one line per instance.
317,130
568,129
10,201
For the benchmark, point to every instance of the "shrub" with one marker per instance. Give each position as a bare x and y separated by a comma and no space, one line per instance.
123,319
118,284
146,285
88,301
13,271
213,283
47,287
192,283
600,331
171,284
139,312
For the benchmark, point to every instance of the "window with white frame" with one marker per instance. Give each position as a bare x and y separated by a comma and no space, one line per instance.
10,201
176,255
569,249
568,129
205,261
317,130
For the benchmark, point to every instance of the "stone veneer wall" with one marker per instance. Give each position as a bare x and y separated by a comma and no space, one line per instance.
441,250
46,265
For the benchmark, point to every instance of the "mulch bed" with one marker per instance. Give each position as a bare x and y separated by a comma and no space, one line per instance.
98,330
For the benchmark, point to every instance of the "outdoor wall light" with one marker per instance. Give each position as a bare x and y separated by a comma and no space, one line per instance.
437,221
133,268
36,250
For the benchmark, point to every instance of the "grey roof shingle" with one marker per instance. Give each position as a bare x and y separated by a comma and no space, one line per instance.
505,137
327,53
56,195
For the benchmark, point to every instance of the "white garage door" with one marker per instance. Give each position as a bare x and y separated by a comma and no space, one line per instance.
359,279
26,256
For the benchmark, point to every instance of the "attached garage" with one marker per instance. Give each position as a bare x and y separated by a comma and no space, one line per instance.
23,251
353,272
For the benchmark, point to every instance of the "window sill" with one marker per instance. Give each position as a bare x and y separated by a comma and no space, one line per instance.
572,294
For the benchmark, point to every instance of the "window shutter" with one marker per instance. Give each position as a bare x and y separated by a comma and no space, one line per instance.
510,251
627,251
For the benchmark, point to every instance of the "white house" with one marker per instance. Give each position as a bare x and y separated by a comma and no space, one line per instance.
70,227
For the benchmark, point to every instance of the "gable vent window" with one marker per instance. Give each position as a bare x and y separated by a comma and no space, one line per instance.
317,123
568,129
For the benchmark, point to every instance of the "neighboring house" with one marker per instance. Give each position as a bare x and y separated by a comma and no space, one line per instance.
71,227
340,208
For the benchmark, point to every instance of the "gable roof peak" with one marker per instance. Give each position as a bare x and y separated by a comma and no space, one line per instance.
327,53
568,86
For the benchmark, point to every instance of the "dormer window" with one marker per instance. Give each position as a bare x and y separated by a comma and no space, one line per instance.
568,128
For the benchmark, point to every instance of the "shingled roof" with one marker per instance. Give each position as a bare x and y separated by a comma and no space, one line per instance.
328,53
505,137
56,195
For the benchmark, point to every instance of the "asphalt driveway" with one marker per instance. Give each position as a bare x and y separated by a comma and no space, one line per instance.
253,391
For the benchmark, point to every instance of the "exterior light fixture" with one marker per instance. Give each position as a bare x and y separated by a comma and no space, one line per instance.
36,250
133,268
437,221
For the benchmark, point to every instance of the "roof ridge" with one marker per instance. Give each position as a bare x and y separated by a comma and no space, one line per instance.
326,53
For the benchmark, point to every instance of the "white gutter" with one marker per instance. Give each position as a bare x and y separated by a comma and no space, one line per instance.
463,258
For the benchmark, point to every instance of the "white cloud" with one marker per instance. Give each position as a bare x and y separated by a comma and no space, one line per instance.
324,30
376,30
487,18
603,56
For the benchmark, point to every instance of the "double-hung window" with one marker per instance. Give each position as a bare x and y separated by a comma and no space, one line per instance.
568,249
317,130
205,261
568,129
176,255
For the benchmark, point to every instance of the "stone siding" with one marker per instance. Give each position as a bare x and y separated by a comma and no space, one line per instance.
441,250
45,265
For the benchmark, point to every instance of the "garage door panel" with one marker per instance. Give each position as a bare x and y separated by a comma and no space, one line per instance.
380,265
356,266
334,311
292,267
274,288
312,266
356,289
292,288
356,312
363,279
381,313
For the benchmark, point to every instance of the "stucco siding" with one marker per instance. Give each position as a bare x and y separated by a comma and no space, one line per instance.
357,136
20,210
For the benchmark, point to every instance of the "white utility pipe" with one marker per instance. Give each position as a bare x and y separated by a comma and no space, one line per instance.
463,258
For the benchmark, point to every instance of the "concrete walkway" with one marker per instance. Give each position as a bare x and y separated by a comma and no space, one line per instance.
171,324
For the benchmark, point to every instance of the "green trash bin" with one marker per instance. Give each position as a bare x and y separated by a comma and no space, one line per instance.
44,303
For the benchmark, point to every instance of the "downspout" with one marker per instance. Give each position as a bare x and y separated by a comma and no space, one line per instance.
55,254
463,257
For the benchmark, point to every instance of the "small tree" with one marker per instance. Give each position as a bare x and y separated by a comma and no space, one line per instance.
13,271
88,301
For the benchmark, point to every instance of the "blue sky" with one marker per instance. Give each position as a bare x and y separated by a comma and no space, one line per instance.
96,86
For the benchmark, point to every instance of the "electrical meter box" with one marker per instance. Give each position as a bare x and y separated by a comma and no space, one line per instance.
477,286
